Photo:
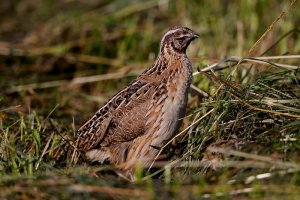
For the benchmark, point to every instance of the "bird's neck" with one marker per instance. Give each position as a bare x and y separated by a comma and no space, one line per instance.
167,51
164,61
170,57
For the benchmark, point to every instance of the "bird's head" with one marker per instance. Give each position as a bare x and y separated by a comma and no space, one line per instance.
177,39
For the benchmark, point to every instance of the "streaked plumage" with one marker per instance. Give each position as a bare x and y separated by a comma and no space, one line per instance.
145,114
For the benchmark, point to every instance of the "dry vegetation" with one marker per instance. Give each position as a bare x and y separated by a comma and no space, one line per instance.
60,62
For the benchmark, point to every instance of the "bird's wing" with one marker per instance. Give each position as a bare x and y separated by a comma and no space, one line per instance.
130,116
142,113
92,132
121,119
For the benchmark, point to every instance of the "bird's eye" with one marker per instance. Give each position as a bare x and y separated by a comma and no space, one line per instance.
180,37
177,34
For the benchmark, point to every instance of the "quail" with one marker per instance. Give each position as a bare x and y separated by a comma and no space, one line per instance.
129,129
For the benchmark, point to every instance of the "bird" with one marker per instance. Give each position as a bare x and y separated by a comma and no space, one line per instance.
141,118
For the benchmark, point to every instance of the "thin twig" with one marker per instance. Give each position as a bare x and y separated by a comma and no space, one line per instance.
265,110
258,60
282,14
276,57
74,81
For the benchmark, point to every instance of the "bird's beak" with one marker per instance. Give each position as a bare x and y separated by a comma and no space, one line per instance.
195,35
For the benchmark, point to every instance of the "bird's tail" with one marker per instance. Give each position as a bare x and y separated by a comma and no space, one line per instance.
98,155
65,151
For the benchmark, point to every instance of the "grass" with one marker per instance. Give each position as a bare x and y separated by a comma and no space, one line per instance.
239,139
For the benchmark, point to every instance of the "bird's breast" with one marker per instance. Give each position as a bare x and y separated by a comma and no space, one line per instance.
173,109
178,87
